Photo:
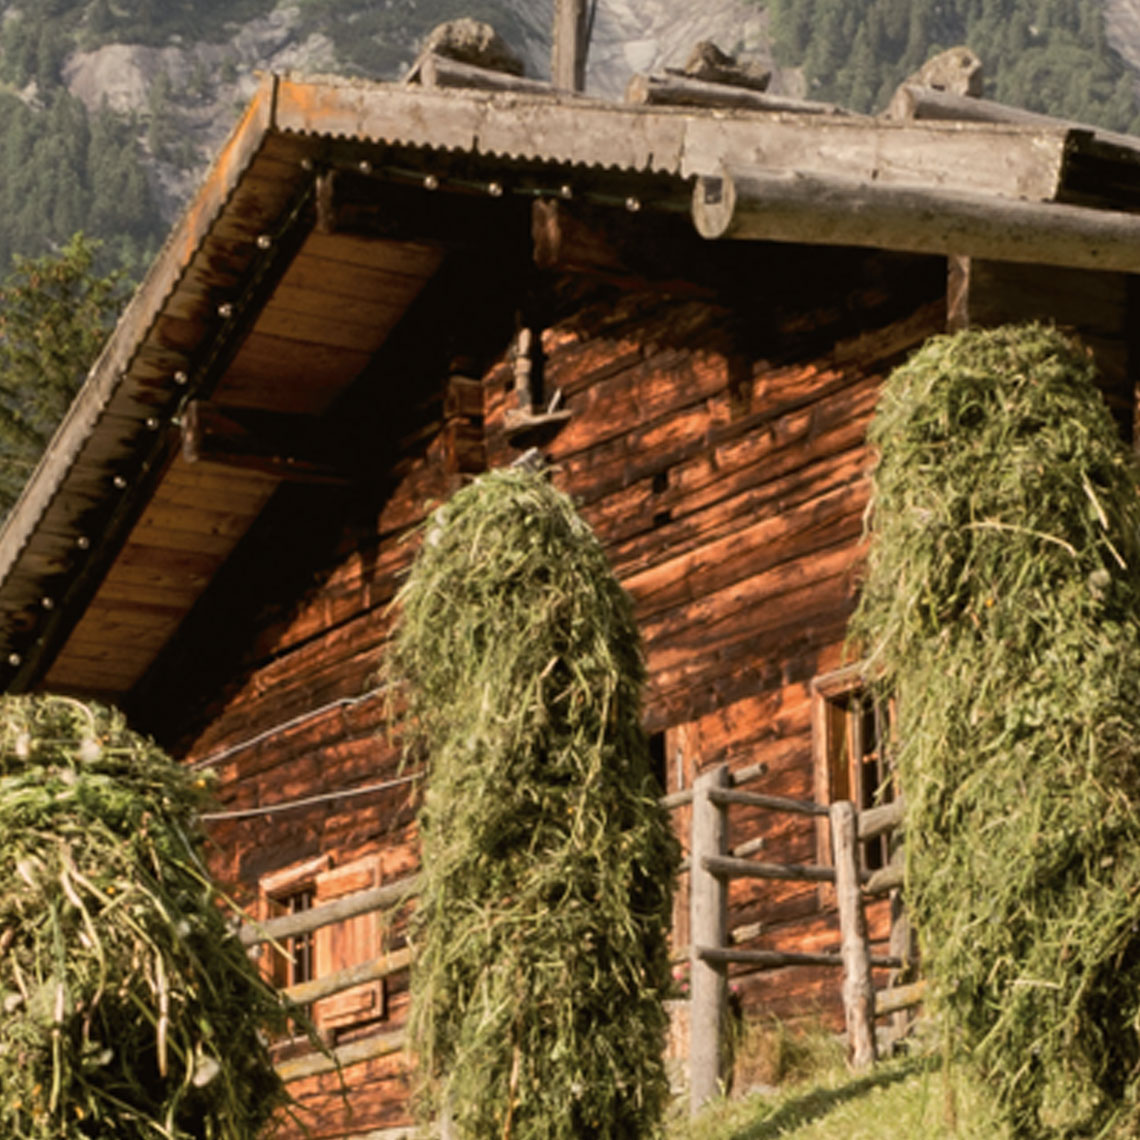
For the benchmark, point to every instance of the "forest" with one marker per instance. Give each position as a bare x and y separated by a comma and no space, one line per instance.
1050,56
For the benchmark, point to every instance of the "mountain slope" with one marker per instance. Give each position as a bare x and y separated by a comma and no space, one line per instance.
111,109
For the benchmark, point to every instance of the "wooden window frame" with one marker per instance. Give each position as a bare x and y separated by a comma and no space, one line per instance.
330,947
839,755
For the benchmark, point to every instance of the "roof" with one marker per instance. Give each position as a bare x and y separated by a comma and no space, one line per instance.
255,304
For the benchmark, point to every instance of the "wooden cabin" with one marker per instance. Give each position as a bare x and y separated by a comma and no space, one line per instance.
380,291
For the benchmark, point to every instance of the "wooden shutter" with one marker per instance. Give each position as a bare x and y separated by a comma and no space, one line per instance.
349,943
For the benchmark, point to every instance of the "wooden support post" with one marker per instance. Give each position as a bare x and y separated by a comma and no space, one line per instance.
858,994
709,929
568,57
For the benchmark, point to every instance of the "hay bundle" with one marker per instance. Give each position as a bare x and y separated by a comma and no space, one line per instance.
548,860
129,1008
1003,604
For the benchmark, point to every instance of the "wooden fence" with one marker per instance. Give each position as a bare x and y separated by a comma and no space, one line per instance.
711,867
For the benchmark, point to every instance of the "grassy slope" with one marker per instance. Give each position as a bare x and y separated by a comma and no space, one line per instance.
904,1099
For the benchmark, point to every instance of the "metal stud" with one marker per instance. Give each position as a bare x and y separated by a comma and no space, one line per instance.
153,423
120,482
431,182
364,166
226,310
633,204
495,189
83,542
47,603
14,659
264,241
566,190
181,377
306,164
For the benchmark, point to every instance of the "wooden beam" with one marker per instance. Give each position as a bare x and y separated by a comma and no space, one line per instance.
568,55
708,924
724,866
440,71
684,91
362,902
914,102
372,971
899,997
772,803
355,1053
285,446
827,210
775,959
885,879
879,820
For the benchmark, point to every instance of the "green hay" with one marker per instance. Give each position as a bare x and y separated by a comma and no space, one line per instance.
1003,607
548,861
116,961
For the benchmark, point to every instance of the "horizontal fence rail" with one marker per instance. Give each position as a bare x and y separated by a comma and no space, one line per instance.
713,948
306,921
354,1053
383,967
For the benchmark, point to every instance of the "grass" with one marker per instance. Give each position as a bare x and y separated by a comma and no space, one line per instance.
902,1099
803,1090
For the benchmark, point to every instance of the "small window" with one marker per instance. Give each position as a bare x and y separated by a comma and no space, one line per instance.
329,949
295,965
850,738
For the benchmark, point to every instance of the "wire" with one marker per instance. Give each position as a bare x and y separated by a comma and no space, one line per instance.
301,718
307,801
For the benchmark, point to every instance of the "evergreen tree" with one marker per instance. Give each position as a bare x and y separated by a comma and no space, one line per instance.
55,312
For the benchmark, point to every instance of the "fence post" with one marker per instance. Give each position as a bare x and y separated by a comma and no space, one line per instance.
708,928
858,994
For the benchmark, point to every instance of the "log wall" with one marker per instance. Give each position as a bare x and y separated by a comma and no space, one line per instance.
716,446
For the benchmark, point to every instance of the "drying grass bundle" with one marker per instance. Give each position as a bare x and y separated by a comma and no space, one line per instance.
1003,606
548,861
130,1010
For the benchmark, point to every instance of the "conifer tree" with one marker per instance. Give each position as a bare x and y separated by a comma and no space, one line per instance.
55,312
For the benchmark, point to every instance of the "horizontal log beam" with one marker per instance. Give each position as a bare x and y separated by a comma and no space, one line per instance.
440,71
817,209
747,774
362,902
371,971
775,959
753,869
879,820
740,776
914,102
771,803
684,91
899,997
356,1052
885,879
